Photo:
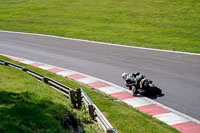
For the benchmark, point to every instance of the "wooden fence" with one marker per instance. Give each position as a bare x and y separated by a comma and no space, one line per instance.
77,97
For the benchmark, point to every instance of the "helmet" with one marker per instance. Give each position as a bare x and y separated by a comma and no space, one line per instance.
124,76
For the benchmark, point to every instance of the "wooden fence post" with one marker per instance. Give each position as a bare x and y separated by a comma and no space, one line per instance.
109,131
45,80
72,98
6,63
79,98
24,69
91,110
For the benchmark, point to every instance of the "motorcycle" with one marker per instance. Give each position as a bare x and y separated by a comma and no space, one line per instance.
143,85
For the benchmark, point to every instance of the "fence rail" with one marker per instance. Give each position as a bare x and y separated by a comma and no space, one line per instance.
76,96
96,114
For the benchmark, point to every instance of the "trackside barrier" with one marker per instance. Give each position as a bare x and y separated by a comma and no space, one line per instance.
75,96
96,114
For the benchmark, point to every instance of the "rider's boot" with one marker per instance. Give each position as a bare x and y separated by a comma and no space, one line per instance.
130,88
135,91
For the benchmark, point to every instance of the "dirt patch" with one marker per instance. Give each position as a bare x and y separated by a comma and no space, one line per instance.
70,123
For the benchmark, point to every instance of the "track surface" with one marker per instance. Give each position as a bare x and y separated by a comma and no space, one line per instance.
178,75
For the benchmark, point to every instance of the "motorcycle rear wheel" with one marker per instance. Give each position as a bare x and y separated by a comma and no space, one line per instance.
155,90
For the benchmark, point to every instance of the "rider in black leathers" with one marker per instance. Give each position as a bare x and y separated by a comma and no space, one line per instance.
133,81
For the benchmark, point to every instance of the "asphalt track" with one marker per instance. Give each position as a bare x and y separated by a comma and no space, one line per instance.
177,74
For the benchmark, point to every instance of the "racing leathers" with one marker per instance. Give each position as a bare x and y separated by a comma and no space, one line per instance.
133,82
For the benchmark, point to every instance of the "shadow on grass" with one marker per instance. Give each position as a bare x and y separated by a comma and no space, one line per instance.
23,112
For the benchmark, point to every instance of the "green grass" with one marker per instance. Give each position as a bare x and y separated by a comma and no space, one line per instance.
171,24
124,118
27,105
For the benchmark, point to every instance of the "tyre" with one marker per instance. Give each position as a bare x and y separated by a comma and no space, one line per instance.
155,90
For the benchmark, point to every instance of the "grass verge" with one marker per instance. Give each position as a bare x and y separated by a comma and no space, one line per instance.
123,117
172,24
27,105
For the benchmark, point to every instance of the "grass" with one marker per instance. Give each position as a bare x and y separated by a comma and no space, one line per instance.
27,105
124,118
172,24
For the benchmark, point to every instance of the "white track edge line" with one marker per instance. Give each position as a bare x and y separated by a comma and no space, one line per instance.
103,43
150,100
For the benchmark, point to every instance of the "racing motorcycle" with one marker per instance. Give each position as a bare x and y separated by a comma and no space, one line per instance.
140,84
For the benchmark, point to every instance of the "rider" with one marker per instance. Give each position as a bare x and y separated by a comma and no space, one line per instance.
132,81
